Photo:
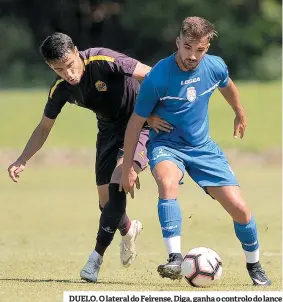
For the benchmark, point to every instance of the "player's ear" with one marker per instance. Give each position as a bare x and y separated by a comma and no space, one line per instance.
76,52
178,42
207,47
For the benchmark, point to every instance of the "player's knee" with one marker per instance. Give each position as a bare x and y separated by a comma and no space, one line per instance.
167,186
100,207
103,194
102,204
242,214
116,176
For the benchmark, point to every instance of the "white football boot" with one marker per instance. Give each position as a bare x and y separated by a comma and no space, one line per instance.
91,269
127,247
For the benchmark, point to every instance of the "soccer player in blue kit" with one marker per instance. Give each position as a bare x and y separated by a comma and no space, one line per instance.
178,90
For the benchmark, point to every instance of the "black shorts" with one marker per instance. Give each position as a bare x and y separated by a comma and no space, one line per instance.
109,148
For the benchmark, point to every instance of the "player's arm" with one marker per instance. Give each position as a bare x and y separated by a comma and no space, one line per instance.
37,139
129,176
140,71
56,100
115,62
147,99
231,95
158,124
35,142
154,121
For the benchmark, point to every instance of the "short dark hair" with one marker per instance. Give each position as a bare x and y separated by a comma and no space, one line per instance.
55,47
196,28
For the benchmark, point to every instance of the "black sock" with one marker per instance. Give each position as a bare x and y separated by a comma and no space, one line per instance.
176,256
110,218
253,265
124,224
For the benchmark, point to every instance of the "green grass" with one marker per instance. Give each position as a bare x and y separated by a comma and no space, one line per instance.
262,103
49,220
76,127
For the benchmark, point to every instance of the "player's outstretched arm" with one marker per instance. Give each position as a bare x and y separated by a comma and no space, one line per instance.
231,94
129,176
35,142
140,71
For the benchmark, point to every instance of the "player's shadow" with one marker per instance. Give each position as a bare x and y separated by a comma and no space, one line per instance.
28,280
146,283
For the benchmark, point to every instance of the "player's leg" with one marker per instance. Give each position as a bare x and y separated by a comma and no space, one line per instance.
245,228
167,169
106,158
127,246
117,203
103,195
211,170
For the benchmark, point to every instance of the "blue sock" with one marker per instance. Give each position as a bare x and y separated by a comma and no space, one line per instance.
170,217
247,234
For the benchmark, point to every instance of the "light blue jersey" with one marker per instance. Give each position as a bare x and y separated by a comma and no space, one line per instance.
181,98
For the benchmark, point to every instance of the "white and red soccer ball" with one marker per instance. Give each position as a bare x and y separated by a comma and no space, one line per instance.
201,267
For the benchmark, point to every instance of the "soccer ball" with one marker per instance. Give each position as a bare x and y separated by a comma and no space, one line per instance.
201,267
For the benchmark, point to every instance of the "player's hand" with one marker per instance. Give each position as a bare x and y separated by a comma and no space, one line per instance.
240,124
15,169
128,181
158,124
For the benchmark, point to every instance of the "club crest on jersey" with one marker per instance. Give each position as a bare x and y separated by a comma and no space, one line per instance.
191,94
100,86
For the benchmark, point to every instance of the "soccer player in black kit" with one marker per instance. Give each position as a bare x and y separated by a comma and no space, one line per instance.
106,82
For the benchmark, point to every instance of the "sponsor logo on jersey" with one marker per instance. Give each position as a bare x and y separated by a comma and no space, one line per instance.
191,94
100,86
190,81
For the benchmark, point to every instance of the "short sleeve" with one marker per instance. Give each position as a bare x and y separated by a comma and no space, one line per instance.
112,61
153,88
57,98
147,98
222,72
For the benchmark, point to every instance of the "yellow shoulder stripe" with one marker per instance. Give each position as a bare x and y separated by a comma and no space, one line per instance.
99,58
54,87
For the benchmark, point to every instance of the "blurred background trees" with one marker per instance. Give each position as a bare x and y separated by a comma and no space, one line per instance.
249,33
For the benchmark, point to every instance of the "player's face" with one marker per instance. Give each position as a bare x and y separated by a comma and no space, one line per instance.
190,52
70,68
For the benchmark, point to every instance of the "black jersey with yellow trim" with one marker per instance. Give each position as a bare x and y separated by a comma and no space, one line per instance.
106,87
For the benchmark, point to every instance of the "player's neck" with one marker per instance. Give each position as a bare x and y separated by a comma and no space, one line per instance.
179,62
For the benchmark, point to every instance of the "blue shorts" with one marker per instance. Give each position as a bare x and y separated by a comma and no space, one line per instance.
206,165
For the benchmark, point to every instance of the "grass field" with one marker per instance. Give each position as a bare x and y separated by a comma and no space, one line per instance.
49,220
48,226
76,127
